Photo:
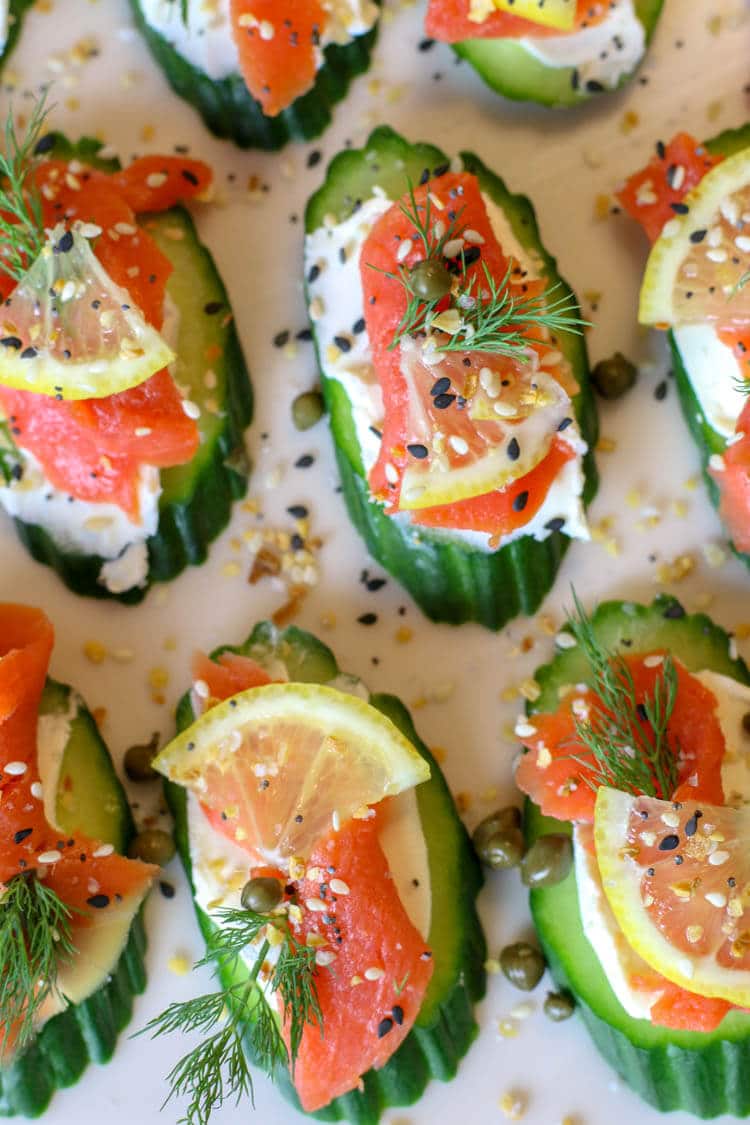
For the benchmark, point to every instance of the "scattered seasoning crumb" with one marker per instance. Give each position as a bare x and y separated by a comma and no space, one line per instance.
514,1105
179,964
95,652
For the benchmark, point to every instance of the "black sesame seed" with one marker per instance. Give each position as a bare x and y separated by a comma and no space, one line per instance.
29,353
343,343
11,342
564,424
298,511
314,158
441,169
64,244
358,326
698,235
661,150
678,860
313,274
22,835
651,871
556,524
423,179
280,339
367,618
660,392
731,881
442,402
594,87
98,901
167,889
417,450
398,1014
440,386
305,461
643,716
680,208
669,843
520,501
190,177
44,144
674,611
472,255
692,825
385,1026
213,307
425,44
514,449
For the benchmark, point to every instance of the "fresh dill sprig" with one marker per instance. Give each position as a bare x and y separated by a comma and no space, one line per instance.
489,316
627,739
35,940
10,457
497,322
21,226
238,1017
740,285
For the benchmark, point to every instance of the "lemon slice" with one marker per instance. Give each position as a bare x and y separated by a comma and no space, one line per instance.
68,330
690,919
700,257
560,14
284,763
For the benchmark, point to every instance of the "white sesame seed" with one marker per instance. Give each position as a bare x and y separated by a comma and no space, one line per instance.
458,444
714,236
49,857
404,250
267,30
339,887
336,820
453,248
156,179
671,228
653,661
716,462
551,359
490,382
729,210
391,473
742,242
325,957
37,791
716,255
716,859
125,228
565,640
103,850
716,899
374,973
670,819
201,689
678,177
15,769
89,230
316,905
524,729
191,409
474,237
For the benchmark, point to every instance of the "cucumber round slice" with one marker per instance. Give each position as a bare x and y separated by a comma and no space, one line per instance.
446,1026
229,109
449,580
704,435
196,500
511,70
705,1073
90,799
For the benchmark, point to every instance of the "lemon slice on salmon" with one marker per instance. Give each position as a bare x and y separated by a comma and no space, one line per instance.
697,265
284,763
558,14
69,331
677,877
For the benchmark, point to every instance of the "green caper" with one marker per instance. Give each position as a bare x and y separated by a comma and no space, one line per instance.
152,846
559,1006
503,849
523,965
547,861
430,280
261,894
307,409
614,376
497,821
138,760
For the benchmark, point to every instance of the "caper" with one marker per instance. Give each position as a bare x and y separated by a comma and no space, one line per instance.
615,376
559,1006
138,760
547,861
497,821
523,965
503,849
307,409
430,279
152,846
261,894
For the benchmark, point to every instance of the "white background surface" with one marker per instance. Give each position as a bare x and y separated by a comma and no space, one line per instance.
695,80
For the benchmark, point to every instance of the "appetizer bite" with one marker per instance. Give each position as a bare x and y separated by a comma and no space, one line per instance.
637,748
261,72
693,201
123,389
333,881
71,935
557,52
455,374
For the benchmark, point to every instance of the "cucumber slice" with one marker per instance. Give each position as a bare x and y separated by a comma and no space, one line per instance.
449,580
229,109
196,500
446,1026
17,9
511,70
706,1074
704,435
90,799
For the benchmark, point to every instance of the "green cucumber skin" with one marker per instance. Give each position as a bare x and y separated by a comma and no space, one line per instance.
17,9
704,436
85,1032
511,71
449,581
192,512
229,109
446,1026
705,1074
